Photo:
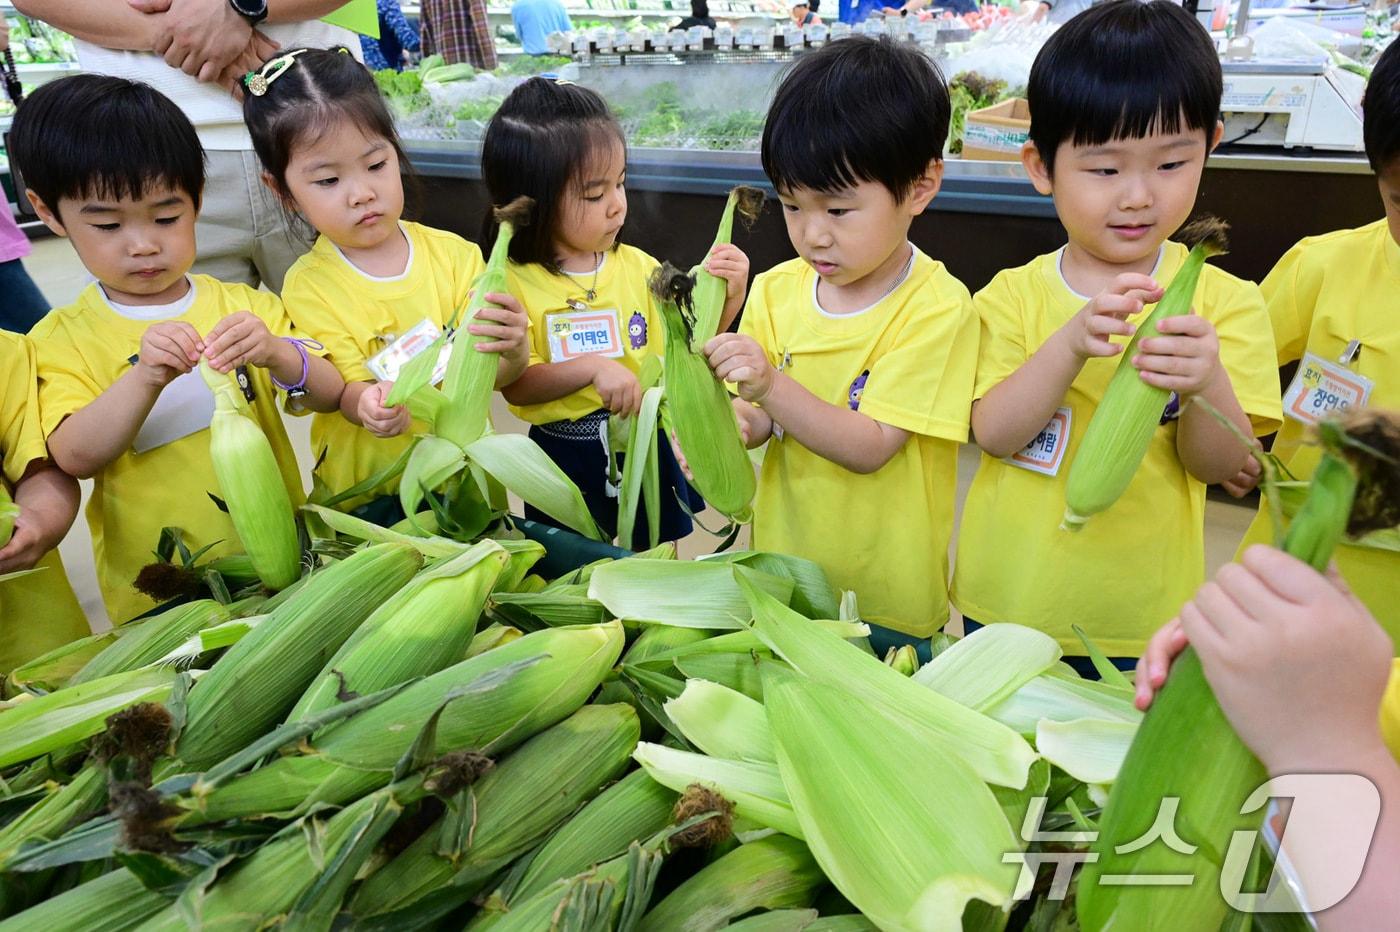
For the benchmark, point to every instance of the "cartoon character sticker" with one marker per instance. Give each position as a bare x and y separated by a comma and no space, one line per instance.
857,390
1172,411
637,330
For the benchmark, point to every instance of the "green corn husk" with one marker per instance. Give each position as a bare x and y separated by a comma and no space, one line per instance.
711,291
256,682
1186,748
357,528
490,638
273,881
471,375
738,672
115,902
1127,417
423,628
996,753
218,637
631,810
84,795
855,815
722,722
702,414
755,788
517,462
990,664
359,754
812,594
153,639
776,920
566,605
52,670
611,895
1051,697
35,726
770,873
250,483
682,593
509,811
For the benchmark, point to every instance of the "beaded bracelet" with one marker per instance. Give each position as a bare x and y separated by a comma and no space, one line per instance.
299,388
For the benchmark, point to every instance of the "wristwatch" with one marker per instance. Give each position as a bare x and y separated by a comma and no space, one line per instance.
254,11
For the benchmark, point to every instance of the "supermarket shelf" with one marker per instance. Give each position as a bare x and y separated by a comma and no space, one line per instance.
39,72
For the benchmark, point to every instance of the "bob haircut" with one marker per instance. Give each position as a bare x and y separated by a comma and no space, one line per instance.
1123,70
538,143
93,136
861,109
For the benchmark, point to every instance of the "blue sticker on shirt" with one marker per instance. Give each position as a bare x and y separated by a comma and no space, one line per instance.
637,330
857,390
1172,411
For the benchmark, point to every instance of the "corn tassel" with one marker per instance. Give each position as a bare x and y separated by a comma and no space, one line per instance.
471,375
1186,748
776,872
423,628
510,810
257,681
702,414
250,484
1128,415
359,754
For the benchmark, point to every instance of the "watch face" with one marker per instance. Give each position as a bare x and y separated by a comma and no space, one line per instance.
256,8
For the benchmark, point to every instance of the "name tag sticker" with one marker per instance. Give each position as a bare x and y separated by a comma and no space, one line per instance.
1046,452
389,362
1322,388
584,333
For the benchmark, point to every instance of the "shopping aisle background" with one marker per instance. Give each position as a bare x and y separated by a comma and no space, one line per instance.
61,277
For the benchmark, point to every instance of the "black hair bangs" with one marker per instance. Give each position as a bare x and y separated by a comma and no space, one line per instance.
544,139
97,137
1381,110
859,110
1123,70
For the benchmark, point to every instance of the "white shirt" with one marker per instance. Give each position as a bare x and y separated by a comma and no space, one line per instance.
216,115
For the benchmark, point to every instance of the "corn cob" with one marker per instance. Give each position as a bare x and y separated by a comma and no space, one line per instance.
153,638
358,755
1186,748
114,902
251,486
1130,411
702,414
421,629
72,802
711,290
472,375
770,873
42,724
255,683
9,511
633,809
512,809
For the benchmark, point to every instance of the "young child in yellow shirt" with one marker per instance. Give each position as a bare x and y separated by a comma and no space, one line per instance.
855,361
1125,101
116,168
38,612
374,289
593,321
1332,302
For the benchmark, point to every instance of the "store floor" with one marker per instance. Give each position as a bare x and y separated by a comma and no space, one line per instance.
61,277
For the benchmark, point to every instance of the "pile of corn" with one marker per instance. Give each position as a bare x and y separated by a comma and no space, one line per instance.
425,733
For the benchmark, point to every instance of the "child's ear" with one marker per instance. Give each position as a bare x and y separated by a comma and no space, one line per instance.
1036,168
927,187
271,184
49,217
1214,139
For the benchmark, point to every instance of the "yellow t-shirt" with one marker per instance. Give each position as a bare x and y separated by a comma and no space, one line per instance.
1132,567
84,348
38,612
908,361
621,321
357,316
1325,292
